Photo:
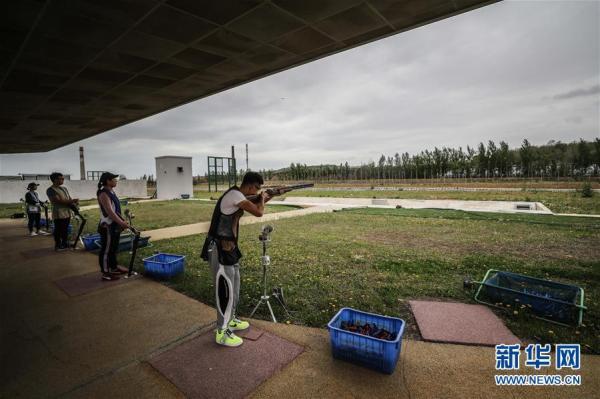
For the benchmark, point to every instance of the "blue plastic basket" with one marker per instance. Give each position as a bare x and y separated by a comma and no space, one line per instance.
89,241
125,242
164,265
374,353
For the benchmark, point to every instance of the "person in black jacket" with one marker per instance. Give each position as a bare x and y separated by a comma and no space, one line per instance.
221,251
34,208
110,226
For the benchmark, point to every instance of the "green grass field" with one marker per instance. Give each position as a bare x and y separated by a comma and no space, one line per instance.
378,259
159,214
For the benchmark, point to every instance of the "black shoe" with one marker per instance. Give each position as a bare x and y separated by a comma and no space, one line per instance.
116,272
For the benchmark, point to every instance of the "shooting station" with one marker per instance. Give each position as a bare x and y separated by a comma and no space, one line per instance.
174,177
221,171
75,69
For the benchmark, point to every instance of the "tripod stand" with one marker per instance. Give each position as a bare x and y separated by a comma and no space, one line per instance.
264,238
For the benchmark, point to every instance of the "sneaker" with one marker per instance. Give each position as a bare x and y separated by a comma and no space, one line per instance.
228,338
109,277
32,234
61,248
237,324
42,233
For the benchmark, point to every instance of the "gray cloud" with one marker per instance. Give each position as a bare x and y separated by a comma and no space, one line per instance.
493,73
594,90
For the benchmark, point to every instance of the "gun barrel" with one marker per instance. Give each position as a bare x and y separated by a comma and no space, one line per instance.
274,191
299,186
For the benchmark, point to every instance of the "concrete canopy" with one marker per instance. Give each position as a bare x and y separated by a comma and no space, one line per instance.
71,69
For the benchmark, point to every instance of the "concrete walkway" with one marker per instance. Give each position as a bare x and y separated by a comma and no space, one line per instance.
199,228
98,344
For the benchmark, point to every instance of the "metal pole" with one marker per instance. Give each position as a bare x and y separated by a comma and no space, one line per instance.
208,173
247,168
234,167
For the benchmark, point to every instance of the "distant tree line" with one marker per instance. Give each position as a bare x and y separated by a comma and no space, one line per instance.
554,160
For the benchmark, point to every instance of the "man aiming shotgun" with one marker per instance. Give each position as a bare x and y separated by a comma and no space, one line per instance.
221,252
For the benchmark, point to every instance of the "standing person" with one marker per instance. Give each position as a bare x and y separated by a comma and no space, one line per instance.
61,210
110,226
34,209
221,252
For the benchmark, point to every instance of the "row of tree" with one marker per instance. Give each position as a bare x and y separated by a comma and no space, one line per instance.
553,160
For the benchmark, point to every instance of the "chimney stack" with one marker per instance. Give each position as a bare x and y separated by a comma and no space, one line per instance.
81,164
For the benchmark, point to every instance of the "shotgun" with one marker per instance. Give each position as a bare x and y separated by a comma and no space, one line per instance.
82,222
279,190
45,206
134,244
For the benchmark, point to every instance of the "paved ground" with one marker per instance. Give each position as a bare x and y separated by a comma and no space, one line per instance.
99,344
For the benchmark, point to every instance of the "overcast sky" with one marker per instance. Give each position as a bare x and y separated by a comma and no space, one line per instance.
512,70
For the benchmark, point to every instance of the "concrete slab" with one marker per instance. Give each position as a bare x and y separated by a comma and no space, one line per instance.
39,252
16,238
85,283
136,380
425,370
202,369
460,323
473,206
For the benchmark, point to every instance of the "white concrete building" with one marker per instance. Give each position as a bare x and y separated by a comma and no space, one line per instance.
174,177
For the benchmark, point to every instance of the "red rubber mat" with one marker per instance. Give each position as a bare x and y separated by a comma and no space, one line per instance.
459,323
250,333
84,283
202,369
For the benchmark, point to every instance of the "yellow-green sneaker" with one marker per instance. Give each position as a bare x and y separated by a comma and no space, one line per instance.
237,324
228,338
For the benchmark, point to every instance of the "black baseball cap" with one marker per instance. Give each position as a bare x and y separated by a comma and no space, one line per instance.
106,176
